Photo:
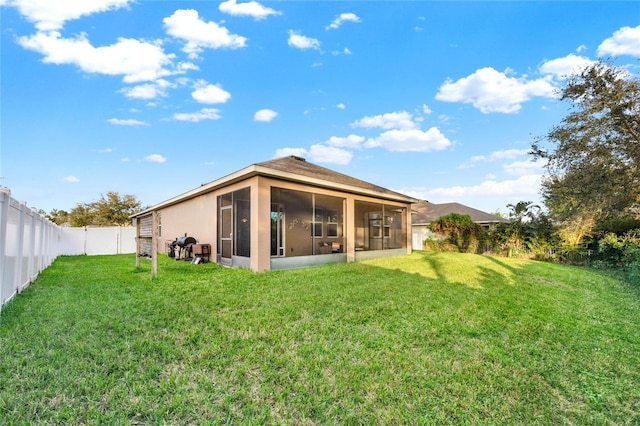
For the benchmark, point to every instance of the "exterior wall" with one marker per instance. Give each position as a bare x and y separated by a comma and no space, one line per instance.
194,217
198,217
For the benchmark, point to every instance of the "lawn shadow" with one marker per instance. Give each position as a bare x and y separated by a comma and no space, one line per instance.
473,271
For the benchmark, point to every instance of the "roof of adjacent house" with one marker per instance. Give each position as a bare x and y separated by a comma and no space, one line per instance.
426,212
293,169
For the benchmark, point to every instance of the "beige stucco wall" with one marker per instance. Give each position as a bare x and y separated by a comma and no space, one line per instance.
197,217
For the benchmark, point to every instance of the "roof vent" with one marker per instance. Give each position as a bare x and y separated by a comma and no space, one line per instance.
295,157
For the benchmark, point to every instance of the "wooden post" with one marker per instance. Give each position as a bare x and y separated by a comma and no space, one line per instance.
136,223
154,245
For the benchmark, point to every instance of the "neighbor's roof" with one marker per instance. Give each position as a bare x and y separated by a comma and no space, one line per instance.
426,212
293,169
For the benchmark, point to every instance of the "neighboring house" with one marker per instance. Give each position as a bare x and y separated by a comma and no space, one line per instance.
285,213
425,212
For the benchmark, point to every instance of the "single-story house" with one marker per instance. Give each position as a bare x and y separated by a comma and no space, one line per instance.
425,212
284,213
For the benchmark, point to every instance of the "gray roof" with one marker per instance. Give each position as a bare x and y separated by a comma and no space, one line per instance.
293,169
426,212
299,166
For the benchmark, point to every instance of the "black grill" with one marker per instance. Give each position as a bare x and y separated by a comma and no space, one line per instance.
181,247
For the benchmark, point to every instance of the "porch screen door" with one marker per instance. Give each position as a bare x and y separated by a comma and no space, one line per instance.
226,234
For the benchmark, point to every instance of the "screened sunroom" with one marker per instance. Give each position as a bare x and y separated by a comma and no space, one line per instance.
290,213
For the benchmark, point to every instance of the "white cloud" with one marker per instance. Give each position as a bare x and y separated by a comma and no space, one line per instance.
564,67
127,122
48,15
341,19
71,179
528,185
135,60
329,154
144,91
251,8
344,51
493,91
426,109
341,106
414,140
505,154
351,141
524,168
125,159
391,120
210,93
105,151
625,41
198,34
285,152
155,158
194,117
302,42
265,115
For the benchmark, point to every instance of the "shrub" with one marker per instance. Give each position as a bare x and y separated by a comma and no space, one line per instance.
621,252
460,231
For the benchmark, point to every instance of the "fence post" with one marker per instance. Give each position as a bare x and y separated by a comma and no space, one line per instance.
17,280
32,248
41,264
5,199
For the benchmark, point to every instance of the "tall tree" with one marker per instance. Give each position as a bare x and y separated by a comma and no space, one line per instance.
110,209
593,155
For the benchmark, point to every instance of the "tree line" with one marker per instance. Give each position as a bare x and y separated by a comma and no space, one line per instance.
112,209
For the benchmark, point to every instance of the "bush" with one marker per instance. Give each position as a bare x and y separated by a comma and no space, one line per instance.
617,225
622,253
459,231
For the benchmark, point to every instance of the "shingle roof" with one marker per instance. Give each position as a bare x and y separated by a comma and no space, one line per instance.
299,166
426,212
293,169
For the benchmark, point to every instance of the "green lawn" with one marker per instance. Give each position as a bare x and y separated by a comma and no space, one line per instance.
430,338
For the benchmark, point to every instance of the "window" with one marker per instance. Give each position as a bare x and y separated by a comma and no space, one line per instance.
332,224
317,223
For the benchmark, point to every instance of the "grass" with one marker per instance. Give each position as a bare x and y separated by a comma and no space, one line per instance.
430,338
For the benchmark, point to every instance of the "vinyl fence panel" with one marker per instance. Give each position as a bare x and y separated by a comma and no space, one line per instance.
28,244
72,241
95,241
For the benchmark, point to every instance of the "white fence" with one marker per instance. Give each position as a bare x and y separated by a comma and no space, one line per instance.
93,241
29,243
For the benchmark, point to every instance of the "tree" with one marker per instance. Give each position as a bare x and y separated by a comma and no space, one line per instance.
58,216
111,209
593,155
459,229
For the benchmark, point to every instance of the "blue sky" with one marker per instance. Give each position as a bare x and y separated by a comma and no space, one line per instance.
438,100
